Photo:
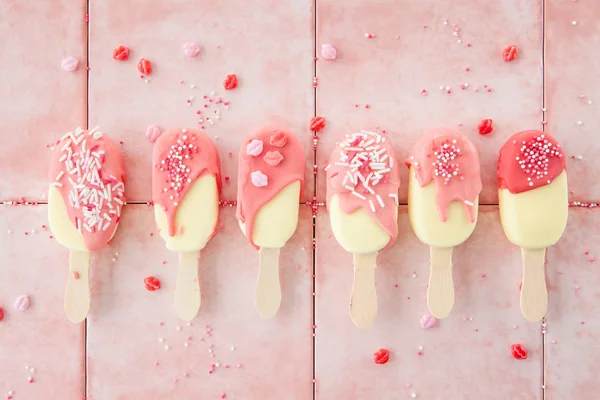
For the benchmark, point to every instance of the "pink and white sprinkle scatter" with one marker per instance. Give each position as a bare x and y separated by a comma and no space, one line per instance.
21,303
94,195
190,49
259,179
328,52
363,154
152,133
69,64
536,156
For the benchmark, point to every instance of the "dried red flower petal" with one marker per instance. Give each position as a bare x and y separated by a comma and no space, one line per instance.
230,82
145,67
485,126
518,352
121,53
152,283
510,53
317,123
381,356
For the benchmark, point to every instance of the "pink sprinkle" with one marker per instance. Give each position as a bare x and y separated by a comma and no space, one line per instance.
259,179
75,275
554,341
190,49
21,303
69,64
423,92
367,106
223,395
152,133
428,321
467,69
164,262
156,363
254,148
328,52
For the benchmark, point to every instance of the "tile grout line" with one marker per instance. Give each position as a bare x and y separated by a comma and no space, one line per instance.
87,123
544,321
314,217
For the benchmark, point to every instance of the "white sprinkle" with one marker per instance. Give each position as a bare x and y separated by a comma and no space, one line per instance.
60,175
469,203
380,200
58,184
350,188
360,196
62,158
372,205
394,196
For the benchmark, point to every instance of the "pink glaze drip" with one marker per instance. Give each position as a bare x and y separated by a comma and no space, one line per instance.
452,162
251,198
181,156
87,169
363,161
528,160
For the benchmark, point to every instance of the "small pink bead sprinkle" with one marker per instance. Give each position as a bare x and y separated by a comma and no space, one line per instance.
69,64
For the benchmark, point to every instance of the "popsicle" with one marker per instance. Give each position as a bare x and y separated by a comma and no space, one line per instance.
443,196
186,183
270,179
533,200
362,199
85,199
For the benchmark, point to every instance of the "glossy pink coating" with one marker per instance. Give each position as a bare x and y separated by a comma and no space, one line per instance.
260,180
449,159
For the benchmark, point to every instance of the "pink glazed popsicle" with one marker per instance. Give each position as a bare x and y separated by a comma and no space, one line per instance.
534,206
362,198
186,183
443,196
85,200
270,180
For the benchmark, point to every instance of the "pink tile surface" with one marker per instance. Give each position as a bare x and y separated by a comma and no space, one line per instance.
275,76
40,337
468,355
41,101
271,359
388,73
572,342
574,119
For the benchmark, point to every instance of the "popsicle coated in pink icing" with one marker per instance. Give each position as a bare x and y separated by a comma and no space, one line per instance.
181,156
363,172
528,160
87,169
448,158
279,163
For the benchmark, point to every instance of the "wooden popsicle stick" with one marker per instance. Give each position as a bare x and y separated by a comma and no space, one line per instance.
187,288
77,294
440,293
268,288
363,303
534,296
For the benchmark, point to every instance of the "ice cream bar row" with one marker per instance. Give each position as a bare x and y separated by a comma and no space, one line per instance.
86,196
443,193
